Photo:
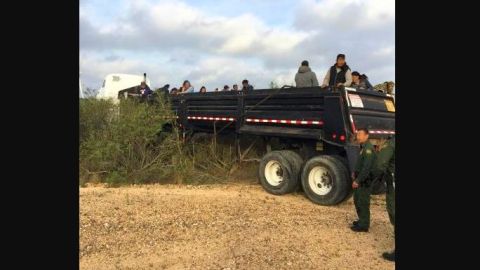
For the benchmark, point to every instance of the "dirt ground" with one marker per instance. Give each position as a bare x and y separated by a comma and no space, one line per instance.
233,226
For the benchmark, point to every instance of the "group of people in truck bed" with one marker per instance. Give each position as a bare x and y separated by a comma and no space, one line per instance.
338,75
188,88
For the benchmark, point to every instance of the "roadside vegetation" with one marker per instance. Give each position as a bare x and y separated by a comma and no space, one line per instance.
125,144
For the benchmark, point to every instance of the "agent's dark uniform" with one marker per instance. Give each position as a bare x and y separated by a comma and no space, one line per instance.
385,168
363,176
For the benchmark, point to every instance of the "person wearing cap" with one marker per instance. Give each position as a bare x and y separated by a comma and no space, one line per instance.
305,77
361,82
187,88
339,74
246,86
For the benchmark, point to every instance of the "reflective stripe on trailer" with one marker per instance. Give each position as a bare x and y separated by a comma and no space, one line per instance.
169,117
283,121
381,131
211,118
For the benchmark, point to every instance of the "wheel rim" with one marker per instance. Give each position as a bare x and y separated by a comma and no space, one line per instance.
274,173
320,180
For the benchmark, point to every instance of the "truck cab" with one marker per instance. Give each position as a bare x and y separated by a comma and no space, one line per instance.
115,85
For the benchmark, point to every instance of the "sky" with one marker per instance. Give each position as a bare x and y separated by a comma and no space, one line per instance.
214,43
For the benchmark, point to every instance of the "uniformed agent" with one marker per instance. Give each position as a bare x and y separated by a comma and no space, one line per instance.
362,178
385,169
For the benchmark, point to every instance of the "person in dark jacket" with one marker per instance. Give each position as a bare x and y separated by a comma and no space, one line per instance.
246,86
339,74
361,82
305,77
145,90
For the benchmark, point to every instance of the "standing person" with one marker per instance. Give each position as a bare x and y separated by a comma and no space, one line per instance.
305,77
246,86
362,178
226,88
385,169
235,87
203,89
339,74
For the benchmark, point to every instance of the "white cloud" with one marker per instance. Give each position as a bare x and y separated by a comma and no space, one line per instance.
176,24
174,41
345,14
95,67
385,51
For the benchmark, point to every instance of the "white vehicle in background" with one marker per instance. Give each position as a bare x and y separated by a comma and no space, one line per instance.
114,84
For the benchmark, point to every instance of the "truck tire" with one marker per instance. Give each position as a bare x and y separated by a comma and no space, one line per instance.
276,173
342,164
342,159
325,180
297,162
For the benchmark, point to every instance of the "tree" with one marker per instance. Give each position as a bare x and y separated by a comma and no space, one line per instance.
383,86
89,92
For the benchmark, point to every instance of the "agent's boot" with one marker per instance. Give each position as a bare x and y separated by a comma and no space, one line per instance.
389,256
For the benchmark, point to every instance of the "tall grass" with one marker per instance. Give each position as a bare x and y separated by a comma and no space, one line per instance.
125,144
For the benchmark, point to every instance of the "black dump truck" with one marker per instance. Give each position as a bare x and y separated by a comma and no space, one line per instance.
315,125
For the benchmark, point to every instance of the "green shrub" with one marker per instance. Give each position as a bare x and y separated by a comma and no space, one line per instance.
124,144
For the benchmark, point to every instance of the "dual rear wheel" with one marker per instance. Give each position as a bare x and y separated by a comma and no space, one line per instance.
324,179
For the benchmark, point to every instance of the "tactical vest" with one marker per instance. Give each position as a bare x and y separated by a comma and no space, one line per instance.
338,77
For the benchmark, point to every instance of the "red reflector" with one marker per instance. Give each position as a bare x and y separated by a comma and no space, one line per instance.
334,135
342,138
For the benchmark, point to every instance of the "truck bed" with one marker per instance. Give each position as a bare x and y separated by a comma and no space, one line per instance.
309,113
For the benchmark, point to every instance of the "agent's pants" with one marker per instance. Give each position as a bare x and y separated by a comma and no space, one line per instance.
361,199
